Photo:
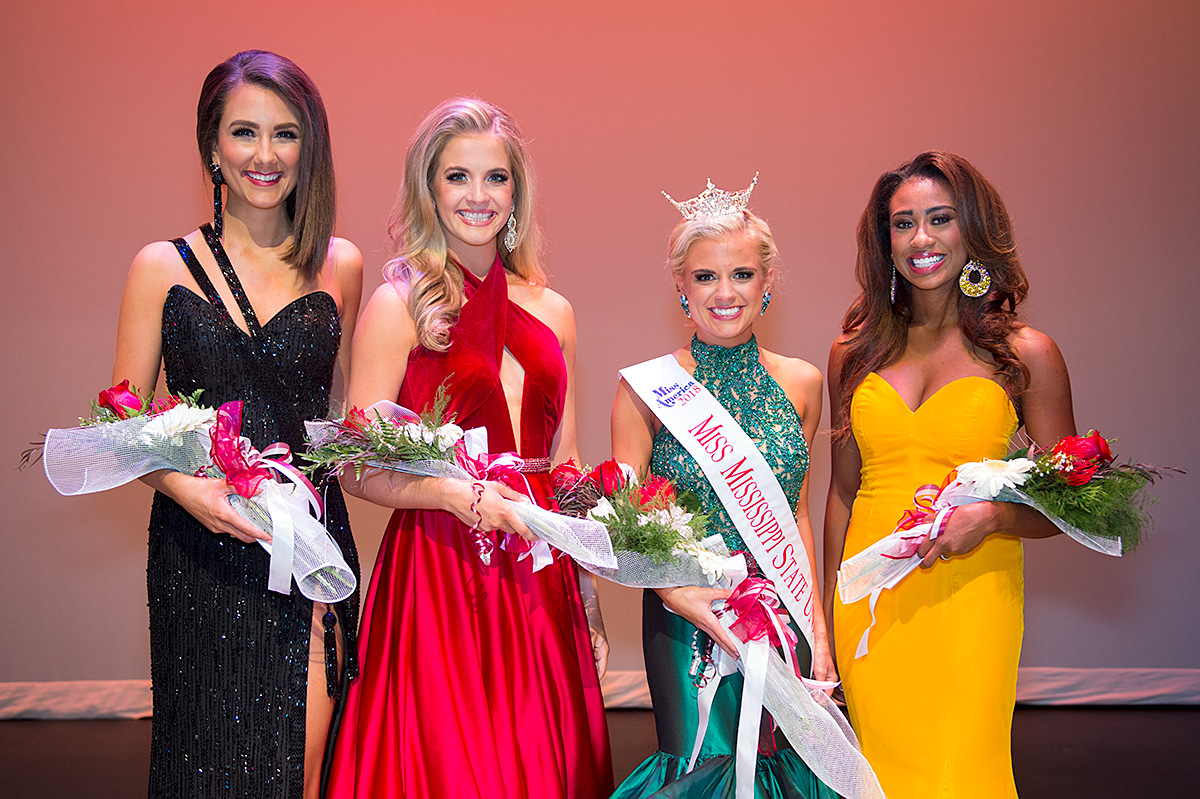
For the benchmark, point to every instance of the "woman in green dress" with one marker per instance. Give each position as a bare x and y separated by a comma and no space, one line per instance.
722,259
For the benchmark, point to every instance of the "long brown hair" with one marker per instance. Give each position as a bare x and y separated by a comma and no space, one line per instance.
877,328
421,262
310,206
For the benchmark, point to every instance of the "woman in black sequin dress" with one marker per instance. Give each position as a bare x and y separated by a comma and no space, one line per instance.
244,689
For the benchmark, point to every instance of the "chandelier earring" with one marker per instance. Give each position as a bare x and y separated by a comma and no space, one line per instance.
766,302
683,302
214,171
893,292
510,237
975,279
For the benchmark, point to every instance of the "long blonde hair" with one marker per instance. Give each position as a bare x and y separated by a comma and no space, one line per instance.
421,260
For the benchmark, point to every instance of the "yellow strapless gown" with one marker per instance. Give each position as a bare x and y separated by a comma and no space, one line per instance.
932,701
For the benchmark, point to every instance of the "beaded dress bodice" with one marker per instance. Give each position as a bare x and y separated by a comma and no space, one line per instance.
741,383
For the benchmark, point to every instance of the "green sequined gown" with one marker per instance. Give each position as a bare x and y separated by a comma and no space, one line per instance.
737,379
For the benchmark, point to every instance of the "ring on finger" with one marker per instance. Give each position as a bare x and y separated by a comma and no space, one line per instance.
943,557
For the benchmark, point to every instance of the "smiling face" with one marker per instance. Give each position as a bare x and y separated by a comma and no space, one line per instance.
724,281
473,191
258,147
927,244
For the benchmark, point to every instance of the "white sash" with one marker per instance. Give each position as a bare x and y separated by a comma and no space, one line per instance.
739,475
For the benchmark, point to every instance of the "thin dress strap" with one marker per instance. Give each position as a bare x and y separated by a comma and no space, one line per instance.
231,278
201,277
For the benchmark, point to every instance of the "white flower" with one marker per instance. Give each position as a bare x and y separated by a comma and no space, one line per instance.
448,435
629,473
174,423
419,433
603,510
988,477
710,562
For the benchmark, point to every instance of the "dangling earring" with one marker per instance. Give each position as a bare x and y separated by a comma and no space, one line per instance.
686,309
510,238
214,170
974,280
766,302
893,285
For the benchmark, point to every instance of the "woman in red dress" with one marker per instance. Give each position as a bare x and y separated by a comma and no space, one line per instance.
477,680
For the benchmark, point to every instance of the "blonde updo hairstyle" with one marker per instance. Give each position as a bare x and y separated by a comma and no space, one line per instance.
421,263
690,231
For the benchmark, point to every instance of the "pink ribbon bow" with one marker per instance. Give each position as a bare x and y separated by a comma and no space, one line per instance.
244,467
760,613
923,512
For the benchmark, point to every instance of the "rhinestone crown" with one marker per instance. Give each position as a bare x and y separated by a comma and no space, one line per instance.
715,202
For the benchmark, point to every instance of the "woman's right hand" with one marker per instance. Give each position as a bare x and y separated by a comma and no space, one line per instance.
207,500
694,603
490,508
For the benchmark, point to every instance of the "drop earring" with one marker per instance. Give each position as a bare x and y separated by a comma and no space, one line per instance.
214,170
686,308
975,279
510,237
766,302
893,294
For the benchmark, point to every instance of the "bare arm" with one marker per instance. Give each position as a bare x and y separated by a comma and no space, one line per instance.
1049,417
347,264
846,477
139,352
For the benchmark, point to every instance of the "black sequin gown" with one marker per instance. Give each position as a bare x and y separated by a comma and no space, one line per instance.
229,658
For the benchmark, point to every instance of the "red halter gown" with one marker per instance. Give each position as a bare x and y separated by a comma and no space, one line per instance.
476,681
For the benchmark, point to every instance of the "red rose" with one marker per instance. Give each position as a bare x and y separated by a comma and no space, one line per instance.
1077,458
163,404
1091,447
356,420
1102,452
120,399
608,477
656,492
565,476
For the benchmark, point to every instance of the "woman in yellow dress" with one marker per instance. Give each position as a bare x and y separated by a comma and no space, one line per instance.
934,369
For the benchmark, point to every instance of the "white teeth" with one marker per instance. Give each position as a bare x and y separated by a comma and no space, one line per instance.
476,216
928,260
265,178
726,313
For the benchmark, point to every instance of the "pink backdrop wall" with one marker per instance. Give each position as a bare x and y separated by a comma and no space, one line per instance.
1084,114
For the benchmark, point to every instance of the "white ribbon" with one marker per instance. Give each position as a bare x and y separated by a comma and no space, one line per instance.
935,528
815,727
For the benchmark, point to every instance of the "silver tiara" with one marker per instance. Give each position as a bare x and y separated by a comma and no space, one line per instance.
715,202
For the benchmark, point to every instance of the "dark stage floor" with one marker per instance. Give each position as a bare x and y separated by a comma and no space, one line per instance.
1058,753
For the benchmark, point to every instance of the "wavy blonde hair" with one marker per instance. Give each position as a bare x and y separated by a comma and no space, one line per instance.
421,260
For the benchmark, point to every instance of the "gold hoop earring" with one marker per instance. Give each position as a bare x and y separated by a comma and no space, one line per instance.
974,280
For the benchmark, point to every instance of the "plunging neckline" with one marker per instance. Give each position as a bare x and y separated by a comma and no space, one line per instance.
940,389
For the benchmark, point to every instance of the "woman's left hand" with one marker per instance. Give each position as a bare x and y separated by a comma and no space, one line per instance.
967,527
823,667
599,650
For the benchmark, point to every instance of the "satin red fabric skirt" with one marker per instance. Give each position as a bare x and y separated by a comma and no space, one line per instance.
475,681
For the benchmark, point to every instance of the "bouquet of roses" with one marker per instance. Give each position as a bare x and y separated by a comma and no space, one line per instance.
388,436
127,437
1076,484
657,534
